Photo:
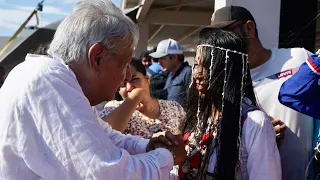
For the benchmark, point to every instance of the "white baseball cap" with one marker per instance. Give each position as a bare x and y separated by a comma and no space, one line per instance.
166,47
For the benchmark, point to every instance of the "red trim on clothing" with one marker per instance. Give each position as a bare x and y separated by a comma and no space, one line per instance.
315,68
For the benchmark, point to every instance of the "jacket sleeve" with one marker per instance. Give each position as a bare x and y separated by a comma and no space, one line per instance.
301,91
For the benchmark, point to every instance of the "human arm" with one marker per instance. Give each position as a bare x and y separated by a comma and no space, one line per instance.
301,91
263,161
70,130
118,115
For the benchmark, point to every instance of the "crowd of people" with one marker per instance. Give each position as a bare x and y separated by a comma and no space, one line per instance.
84,108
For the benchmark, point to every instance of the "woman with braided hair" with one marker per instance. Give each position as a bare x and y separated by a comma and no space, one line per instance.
227,137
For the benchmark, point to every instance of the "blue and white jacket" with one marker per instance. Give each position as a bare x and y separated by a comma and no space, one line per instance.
301,92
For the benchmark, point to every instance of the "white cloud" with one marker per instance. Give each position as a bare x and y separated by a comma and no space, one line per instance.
53,10
69,1
46,10
25,8
13,19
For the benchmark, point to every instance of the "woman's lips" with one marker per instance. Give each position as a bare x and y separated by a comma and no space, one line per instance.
200,87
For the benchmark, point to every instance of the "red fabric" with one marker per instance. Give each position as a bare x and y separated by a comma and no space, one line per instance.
194,160
313,65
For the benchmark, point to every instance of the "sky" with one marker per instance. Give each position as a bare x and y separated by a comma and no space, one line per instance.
14,12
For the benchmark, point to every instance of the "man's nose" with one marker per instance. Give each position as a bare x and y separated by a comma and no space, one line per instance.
160,62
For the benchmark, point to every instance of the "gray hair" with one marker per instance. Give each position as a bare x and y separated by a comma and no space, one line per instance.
90,22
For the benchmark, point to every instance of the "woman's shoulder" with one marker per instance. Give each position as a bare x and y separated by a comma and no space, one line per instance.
169,103
253,115
257,116
256,120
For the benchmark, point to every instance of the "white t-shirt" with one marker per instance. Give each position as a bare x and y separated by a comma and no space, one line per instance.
296,147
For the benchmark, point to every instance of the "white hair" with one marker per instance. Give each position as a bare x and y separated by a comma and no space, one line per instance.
90,22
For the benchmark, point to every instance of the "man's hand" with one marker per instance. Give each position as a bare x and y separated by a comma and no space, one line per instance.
171,142
280,129
179,151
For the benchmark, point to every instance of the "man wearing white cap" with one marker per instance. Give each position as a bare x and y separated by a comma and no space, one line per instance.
171,58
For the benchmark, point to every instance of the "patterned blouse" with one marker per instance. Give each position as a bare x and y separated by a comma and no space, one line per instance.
171,116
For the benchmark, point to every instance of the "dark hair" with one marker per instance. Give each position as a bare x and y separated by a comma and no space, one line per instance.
180,57
137,64
145,54
228,128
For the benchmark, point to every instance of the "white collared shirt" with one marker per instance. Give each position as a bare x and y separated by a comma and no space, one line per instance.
49,131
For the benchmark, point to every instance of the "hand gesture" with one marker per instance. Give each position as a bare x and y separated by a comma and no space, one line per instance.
172,142
280,129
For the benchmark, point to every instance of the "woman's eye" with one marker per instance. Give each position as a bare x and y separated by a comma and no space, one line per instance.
134,79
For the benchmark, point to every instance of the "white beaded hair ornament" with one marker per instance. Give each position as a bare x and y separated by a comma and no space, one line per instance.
200,123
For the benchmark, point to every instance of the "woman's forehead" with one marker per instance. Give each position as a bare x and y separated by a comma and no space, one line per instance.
199,54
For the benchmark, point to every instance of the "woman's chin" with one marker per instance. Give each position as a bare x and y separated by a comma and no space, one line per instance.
202,95
201,91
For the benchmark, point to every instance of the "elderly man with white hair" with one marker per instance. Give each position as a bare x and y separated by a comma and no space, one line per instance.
48,128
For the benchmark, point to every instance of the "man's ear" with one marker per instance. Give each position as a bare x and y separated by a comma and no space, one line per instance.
95,55
250,29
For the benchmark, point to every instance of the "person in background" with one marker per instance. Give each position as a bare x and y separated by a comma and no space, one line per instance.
269,69
152,115
155,67
48,127
2,75
146,59
227,136
171,59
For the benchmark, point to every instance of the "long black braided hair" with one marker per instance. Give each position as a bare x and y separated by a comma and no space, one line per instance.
229,129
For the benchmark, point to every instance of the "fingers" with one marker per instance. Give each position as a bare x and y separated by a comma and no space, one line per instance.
172,138
283,128
280,129
276,122
166,136
140,107
164,140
